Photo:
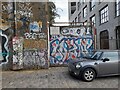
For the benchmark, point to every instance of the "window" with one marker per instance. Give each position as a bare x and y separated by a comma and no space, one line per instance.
79,17
104,15
82,1
85,23
104,40
92,19
118,37
100,1
73,7
111,55
96,55
85,11
78,5
75,20
92,4
117,7
73,3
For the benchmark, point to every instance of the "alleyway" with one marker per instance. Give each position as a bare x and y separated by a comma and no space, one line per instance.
55,77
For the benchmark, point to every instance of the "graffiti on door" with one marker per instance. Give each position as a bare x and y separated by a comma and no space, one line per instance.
35,51
72,43
35,58
64,48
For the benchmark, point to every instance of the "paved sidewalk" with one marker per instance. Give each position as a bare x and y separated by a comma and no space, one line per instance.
55,77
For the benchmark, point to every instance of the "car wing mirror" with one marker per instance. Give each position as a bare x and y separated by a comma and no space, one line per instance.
105,59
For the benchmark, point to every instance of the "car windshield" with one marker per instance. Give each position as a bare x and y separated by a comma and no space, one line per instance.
96,55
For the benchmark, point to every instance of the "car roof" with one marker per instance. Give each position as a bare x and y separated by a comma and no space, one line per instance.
106,50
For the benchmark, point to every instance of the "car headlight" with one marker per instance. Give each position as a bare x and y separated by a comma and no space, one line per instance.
78,65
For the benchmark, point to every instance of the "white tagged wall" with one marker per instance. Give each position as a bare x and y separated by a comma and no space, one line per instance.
54,30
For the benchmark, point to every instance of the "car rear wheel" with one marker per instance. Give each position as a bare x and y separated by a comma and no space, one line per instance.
88,75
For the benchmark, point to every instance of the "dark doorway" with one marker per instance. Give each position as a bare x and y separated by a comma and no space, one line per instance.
104,40
118,37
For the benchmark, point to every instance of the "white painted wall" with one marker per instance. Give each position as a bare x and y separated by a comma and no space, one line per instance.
54,30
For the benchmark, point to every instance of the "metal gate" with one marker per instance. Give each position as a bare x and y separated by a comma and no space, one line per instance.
73,41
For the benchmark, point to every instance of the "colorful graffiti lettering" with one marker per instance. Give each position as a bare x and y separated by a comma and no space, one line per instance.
35,26
76,31
64,48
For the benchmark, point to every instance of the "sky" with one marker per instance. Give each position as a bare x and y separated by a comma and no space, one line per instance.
62,10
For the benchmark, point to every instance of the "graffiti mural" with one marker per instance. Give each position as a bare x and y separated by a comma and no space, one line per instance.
35,58
17,53
76,31
62,49
35,50
35,35
72,43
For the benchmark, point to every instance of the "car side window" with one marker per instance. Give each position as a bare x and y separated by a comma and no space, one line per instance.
112,56
97,55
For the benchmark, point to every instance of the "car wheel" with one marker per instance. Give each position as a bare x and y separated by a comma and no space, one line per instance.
88,75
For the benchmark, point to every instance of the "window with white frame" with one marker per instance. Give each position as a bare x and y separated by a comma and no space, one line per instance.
82,1
92,19
75,20
85,11
100,1
117,7
85,23
92,4
104,15
79,17
78,6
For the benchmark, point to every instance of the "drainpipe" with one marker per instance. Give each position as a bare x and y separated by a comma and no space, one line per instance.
14,11
47,18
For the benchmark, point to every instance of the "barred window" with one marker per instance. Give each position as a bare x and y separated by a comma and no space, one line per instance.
85,11
92,19
104,17
117,7
92,4
79,17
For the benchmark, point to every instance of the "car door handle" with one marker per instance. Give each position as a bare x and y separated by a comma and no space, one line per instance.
95,63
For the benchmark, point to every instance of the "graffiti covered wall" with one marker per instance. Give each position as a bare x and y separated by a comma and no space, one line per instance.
35,53
66,46
17,53
35,58
35,47
29,53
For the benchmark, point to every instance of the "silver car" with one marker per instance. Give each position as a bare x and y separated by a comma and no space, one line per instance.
101,63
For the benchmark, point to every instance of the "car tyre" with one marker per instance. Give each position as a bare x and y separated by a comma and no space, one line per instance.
88,75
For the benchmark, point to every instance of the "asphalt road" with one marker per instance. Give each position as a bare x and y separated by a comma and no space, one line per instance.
55,77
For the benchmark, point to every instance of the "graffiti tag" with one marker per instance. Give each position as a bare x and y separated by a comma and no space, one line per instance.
34,58
35,35
64,48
